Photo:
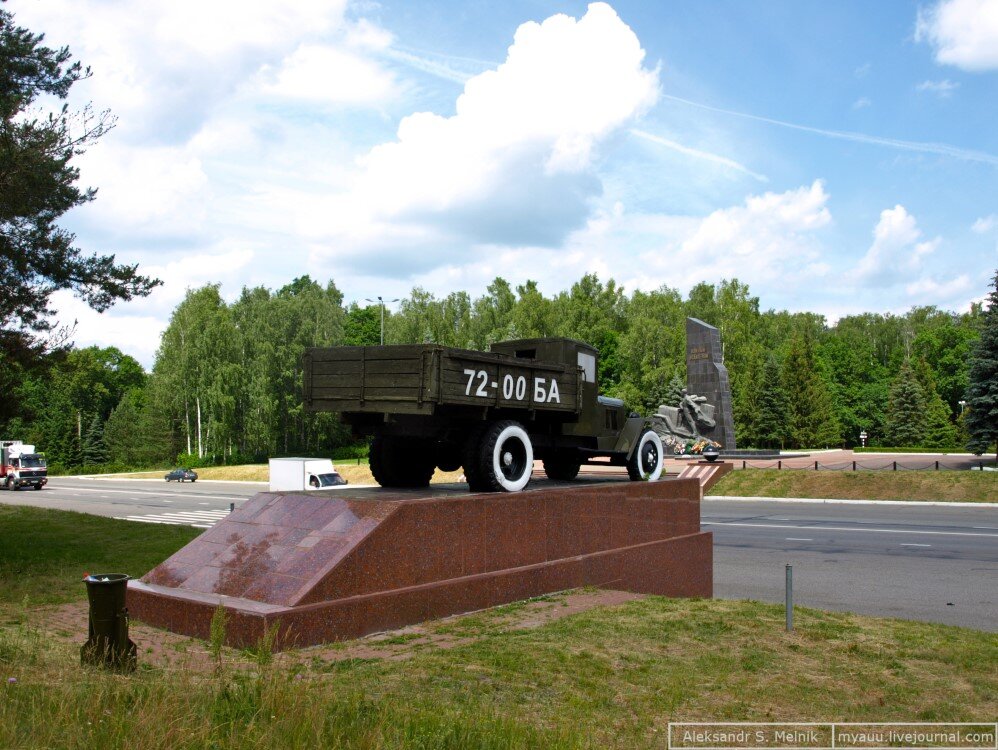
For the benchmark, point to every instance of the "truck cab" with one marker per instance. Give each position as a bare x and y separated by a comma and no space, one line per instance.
21,466
599,426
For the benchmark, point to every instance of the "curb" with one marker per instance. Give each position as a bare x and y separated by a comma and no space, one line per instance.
835,501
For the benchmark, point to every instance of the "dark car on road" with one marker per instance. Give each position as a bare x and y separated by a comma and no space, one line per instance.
181,475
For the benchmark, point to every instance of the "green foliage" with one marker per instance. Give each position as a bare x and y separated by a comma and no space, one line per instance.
93,448
906,415
226,386
981,417
811,420
37,258
771,418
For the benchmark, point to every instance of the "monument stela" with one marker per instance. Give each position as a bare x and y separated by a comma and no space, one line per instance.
707,376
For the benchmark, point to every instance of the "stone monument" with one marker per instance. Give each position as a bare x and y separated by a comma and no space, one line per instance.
707,376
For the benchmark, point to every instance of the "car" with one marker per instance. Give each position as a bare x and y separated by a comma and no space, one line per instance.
320,481
180,475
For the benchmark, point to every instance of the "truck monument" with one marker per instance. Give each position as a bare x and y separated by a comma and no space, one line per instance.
493,413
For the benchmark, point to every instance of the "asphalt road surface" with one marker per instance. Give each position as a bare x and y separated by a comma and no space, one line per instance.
933,563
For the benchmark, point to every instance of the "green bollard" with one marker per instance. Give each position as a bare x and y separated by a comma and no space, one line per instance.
107,643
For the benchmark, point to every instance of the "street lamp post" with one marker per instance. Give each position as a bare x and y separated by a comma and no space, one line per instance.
962,405
862,437
382,303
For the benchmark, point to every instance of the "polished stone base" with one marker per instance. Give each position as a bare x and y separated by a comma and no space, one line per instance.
339,564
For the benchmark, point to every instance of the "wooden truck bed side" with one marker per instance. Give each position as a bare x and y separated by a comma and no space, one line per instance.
413,379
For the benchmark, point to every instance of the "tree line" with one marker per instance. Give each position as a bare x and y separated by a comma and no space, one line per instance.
226,384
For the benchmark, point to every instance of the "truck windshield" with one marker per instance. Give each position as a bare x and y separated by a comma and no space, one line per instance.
330,480
32,462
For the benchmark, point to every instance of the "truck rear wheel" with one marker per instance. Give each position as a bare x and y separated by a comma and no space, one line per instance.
647,461
401,462
562,467
505,458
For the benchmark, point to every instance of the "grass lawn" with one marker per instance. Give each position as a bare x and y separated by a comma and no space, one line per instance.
963,486
604,677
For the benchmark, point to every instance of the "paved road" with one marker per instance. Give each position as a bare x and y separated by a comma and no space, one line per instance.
199,503
920,562
938,564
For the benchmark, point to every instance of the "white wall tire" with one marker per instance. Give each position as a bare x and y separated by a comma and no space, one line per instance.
507,457
648,460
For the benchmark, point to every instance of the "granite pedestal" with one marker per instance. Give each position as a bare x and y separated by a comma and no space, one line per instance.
334,565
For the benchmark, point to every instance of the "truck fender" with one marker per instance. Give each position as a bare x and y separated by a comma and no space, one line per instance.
627,441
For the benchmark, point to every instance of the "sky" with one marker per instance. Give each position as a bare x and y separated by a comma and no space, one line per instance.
836,157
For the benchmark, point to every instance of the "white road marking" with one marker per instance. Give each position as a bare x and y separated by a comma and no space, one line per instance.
846,528
984,527
798,539
202,519
915,545
146,492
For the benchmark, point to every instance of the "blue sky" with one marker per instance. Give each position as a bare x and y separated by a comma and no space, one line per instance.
838,157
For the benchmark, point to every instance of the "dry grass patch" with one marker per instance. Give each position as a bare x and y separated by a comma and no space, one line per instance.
351,470
953,486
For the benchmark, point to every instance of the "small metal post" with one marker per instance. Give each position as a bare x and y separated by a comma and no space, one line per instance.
790,598
743,463
895,466
779,465
854,466
937,466
232,507
815,465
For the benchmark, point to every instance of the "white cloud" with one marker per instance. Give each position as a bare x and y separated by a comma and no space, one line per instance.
985,224
516,163
943,89
325,74
861,103
897,253
963,33
949,294
770,235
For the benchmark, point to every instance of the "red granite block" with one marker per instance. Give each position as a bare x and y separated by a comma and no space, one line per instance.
383,559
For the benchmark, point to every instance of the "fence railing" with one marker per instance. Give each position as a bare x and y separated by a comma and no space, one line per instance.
861,466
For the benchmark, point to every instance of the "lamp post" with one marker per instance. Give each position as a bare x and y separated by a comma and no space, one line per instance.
862,437
382,303
962,405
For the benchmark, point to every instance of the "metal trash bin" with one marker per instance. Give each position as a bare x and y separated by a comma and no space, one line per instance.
107,642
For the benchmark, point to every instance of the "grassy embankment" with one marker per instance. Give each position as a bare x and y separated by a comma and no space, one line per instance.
952,486
606,677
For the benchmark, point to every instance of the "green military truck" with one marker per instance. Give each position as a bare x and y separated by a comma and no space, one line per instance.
493,413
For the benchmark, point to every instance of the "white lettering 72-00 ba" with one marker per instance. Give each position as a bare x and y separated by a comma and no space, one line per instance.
513,389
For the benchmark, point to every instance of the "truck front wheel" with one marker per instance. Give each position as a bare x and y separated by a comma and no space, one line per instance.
647,460
505,458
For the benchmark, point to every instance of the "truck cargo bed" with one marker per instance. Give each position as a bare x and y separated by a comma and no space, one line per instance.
417,379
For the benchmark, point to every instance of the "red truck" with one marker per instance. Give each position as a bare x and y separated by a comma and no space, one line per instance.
21,466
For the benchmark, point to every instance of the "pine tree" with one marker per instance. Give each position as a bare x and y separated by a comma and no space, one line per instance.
94,450
811,420
771,418
674,391
940,432
981,416
906,413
